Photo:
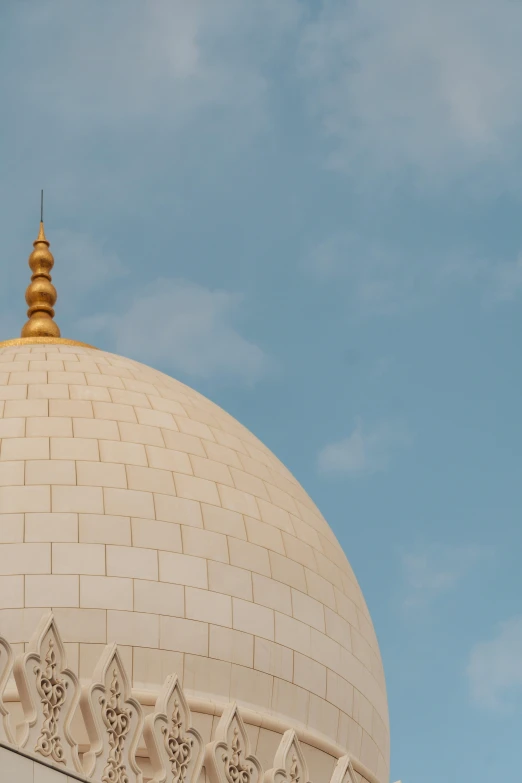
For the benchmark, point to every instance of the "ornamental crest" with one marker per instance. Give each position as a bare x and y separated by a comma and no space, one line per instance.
49,694
113,720
175,748
289,763
228,758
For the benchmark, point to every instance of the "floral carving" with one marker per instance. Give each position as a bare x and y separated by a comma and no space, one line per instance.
49,694
113,720
236,770
228,758
6,667
52,690
343,771
117,720
289,763
178,746
175,748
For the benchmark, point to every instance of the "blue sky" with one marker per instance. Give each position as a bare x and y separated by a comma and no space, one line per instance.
310,211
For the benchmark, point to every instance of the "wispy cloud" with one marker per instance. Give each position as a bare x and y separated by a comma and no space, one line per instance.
506,280
129,62
378,278
427,88
130,92
185,327
364,451
495,668
381,279
84,260
435,570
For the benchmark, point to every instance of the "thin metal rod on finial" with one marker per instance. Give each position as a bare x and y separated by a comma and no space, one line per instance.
41,207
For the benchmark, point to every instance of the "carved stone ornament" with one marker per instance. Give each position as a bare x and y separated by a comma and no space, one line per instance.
175,748
49,694
289,763
6,667
228,758
113,720
343,771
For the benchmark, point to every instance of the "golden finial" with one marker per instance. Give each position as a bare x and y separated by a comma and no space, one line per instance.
41,297
41,294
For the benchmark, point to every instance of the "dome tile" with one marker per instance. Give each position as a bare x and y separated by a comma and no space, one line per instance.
154,534
118,452
98,393
158,598
52,590
11,591
225,644
50,527
250,556
231,580
175,509
44,426
11,528
274,659
104,529
186,636
264,535
183,569
253,619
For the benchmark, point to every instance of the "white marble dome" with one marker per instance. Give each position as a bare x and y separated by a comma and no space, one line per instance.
142,513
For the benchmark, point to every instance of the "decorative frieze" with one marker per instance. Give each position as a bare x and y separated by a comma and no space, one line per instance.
114,722
228,758
175,748
49,694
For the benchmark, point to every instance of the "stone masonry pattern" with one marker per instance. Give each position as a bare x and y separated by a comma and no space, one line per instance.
143,514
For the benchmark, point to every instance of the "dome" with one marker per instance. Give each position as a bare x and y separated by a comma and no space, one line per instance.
143,514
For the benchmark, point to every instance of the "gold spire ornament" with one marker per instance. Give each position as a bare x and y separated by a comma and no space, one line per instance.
41,297
41,294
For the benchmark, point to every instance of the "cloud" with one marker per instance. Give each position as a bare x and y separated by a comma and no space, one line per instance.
382,366
381,280
186,327
363,453
133,97
428,88
500,281
411,86
84,261
437,570
506,280
378,279
495,668
128,61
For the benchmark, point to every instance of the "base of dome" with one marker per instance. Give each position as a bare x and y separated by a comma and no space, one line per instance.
211,705
44,341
